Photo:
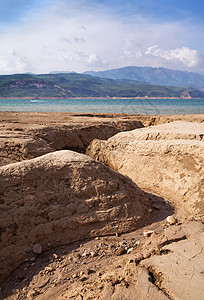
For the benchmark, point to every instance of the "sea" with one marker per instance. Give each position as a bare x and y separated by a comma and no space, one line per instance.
124,106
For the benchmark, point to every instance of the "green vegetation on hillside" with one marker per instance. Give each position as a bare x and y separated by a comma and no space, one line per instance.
67,85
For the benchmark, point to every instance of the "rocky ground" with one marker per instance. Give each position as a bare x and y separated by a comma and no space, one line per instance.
161,260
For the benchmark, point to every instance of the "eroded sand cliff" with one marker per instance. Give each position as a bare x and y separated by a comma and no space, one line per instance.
165,159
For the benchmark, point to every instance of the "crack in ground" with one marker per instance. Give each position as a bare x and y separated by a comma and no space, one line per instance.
152,253
156,280
173,241
201,250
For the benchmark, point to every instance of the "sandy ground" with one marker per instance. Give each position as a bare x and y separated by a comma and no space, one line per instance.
49,118
168,263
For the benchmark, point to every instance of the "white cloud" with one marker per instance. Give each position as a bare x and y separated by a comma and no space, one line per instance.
88,59
188,57
75,39
69,36
14,63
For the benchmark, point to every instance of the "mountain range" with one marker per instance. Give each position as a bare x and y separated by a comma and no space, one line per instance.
73,85
159,76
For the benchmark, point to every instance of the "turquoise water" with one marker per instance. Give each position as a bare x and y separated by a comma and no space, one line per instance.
130,106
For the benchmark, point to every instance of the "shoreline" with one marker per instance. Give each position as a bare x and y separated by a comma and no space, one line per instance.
104,98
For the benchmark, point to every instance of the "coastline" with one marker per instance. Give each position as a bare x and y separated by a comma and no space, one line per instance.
111,98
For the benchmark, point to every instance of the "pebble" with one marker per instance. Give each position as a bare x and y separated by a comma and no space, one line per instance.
54,256
32,294
75,260
129,250
90,271
93,253
85,253
120,251
77,255
37,249
32,259
83,278
148,233
49,269
171,220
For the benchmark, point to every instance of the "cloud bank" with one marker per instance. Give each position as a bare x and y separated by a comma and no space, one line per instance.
188,57
85,34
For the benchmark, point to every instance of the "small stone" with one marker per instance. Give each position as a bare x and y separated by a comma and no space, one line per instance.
86,253
93,253
148,233
120,251
123,243
97,238
137,242
90,271
83,278
75,260
49,244
149,210
32,294
54,256
116,234
129,250
77,255
171,220
32,259
74,276
49,269
37,248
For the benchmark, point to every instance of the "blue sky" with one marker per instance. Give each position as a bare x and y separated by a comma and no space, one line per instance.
78,35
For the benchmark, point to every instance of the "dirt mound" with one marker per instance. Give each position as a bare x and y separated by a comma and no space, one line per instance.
60,198
164,159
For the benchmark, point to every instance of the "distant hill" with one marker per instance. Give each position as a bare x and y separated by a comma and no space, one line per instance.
73,85
160,76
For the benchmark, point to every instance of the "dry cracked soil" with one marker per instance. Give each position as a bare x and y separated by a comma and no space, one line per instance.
128,237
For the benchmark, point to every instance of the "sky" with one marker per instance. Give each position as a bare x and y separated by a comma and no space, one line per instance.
41,36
